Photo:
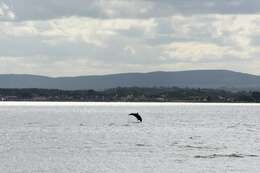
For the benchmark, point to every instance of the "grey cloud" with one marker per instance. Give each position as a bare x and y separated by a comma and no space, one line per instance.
48,9
213,6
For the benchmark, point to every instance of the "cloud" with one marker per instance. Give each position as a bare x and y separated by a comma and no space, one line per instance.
49,9
67,36
6,13
50,37
194,51
168,40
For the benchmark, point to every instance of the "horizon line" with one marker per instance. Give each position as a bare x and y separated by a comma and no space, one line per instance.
108,74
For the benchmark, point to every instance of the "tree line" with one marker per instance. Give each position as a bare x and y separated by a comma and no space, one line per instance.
131,94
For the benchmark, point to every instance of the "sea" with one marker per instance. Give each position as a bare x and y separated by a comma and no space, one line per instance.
57,137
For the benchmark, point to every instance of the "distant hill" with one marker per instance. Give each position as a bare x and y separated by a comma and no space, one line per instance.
193,79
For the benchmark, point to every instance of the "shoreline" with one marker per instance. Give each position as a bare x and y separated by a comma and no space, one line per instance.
60,103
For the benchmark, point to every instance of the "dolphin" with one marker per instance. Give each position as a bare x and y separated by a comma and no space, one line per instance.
137,116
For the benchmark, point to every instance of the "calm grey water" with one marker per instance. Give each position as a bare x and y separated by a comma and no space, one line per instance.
101,138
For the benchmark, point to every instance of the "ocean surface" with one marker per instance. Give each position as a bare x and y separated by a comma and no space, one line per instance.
101,138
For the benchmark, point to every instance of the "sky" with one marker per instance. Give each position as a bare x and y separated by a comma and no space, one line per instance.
95,37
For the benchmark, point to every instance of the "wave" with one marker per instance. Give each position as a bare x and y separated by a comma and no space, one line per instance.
233,155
